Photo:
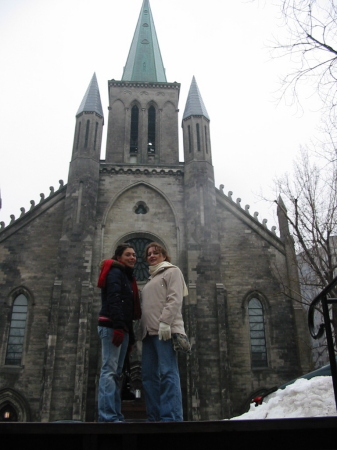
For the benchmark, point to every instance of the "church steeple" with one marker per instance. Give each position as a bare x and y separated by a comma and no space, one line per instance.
143,106
144,61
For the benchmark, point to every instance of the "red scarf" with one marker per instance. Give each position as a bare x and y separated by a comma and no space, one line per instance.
106,266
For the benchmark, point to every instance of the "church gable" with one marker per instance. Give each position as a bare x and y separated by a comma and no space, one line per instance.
139,210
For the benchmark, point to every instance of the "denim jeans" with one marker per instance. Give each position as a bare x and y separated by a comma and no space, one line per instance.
109,397
161,381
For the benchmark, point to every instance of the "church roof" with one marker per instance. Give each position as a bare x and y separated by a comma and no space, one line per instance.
194,104
92,100
144,61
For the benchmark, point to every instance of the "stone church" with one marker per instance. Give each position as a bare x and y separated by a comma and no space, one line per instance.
242,316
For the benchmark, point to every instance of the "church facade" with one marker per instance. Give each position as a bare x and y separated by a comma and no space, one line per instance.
247,330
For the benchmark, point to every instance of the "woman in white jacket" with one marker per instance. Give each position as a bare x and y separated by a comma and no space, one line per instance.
162,299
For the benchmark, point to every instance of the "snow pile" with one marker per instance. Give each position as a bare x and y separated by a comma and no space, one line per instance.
304,398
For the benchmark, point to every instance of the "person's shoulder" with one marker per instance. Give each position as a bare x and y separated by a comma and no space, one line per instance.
117,266
172,270
116,269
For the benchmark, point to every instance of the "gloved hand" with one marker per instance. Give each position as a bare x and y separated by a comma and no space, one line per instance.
164,331
118,337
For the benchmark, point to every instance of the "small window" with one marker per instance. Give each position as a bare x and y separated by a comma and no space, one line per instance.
141,208
87,134
17,331
95,138
8,413
151,135
198,138
78,134
189,140
134,130
257,334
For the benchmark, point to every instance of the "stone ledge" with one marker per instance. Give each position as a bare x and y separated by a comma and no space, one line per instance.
307,433
148,84
141,170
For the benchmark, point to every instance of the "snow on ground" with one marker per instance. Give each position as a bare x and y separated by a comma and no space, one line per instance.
304,398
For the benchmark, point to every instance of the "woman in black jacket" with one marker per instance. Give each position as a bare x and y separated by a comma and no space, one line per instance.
120,306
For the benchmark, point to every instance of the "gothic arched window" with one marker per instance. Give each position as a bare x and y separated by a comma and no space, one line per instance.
134,130
17,331
257,334
151,132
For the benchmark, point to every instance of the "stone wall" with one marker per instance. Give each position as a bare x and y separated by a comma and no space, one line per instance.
253,264
28,264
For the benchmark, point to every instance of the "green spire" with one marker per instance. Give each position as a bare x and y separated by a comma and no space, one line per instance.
144,62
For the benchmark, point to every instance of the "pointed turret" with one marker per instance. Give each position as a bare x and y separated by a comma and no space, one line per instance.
92,100
196,131
89,123
194,104
144,62
84,166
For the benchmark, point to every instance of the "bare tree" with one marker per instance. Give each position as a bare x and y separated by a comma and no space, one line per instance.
308,198
311,42
311,198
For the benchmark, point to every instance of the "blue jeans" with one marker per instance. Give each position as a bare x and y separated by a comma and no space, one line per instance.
161,381
109,396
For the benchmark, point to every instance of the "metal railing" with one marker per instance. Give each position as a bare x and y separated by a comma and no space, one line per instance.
323,299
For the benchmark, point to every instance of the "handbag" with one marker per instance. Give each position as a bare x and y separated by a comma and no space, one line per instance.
181,343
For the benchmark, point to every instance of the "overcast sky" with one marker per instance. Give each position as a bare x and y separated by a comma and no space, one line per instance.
51,48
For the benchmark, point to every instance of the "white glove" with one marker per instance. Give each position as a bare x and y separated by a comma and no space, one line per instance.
164,331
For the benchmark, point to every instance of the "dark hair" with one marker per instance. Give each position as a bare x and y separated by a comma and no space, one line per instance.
121,249
159,248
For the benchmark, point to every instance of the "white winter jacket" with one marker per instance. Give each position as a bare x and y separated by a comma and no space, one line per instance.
162,299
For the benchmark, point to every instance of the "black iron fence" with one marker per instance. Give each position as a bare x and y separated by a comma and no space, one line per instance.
322,302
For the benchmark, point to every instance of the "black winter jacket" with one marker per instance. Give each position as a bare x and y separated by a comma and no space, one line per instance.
117,299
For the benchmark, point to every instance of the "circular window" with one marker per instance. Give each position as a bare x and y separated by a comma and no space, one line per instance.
141,271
